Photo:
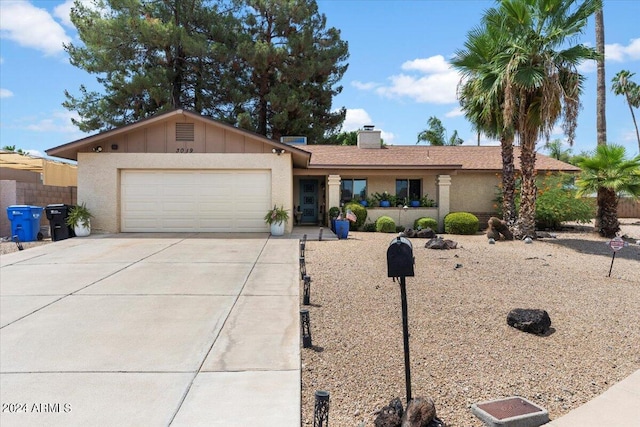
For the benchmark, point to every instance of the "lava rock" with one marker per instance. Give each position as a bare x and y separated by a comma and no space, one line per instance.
390,415
529,320
440,243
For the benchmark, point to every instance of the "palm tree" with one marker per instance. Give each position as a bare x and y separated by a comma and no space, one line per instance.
541,84
481,98
601,100
557,151
435,134
622,85
610,175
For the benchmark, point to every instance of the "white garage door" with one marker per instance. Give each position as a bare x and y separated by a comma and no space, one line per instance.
205,201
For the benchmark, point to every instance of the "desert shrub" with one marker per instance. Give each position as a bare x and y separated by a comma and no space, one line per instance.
461,223
556,201
361,214
424,222
369,227
385,224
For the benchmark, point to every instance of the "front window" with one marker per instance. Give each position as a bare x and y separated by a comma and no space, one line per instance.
353,190
408,189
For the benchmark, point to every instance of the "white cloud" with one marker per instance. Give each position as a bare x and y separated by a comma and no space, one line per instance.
433,64
356,118
32,27
432,81
437,88
60,122
63,12
456,112
364,86
588,66
619,53
5,93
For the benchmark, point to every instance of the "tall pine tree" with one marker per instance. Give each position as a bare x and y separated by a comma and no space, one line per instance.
270,66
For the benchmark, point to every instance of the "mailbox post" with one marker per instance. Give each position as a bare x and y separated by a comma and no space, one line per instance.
400,265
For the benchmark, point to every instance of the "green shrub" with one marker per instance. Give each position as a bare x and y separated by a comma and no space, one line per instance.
334,212
369,227
399,228
424,222
461,223
556,202
361,214
385,224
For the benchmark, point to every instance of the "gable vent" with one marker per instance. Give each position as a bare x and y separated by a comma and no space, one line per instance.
184,131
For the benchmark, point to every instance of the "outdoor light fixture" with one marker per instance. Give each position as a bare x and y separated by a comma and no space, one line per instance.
98,149
306,299
321,409
114,146
305,324
303,268
277,151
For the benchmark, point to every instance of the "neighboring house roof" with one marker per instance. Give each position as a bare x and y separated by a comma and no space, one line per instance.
422,157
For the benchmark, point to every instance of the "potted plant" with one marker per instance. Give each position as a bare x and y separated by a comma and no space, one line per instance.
384,199
79,217
427,202
333,214
277,218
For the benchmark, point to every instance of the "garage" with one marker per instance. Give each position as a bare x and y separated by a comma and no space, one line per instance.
194,200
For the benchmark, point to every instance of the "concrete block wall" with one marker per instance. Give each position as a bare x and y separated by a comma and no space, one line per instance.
27,193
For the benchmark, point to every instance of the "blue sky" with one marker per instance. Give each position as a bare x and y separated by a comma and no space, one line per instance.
398,74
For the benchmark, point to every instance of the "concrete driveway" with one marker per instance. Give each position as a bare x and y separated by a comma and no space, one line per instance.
153,330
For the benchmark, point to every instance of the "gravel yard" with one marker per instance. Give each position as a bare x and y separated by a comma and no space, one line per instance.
462,350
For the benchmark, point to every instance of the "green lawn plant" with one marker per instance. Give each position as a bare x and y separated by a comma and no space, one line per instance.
461,223
424,222
360,212
385,224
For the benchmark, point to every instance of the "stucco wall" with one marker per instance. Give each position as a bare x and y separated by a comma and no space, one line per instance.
99,177
473,192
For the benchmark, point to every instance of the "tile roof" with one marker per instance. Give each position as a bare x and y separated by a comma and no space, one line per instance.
421,157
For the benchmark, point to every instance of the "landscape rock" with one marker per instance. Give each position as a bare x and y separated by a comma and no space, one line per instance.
390,415
409,232
529,320
498,229
426,233
420,412
440,243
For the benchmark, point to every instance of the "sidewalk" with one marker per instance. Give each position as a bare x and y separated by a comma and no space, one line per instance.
619,406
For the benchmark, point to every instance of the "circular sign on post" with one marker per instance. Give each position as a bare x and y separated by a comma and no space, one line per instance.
616,244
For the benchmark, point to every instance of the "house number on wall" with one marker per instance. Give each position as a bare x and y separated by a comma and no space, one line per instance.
184,150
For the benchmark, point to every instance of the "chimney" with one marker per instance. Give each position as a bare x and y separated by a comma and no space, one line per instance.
369,138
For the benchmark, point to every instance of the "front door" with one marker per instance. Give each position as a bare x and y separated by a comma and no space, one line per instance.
309,201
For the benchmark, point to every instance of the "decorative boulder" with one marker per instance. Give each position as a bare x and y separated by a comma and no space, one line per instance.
420,412
426,233
390,415
409,232
498,229
529,320
440,243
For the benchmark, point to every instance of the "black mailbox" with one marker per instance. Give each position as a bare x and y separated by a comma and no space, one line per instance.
400,258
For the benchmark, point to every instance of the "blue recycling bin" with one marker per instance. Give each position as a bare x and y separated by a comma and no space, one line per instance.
25,222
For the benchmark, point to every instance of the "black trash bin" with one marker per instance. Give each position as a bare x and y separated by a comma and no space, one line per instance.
57,216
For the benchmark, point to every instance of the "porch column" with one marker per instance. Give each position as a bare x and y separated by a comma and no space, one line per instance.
333,191
444,199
